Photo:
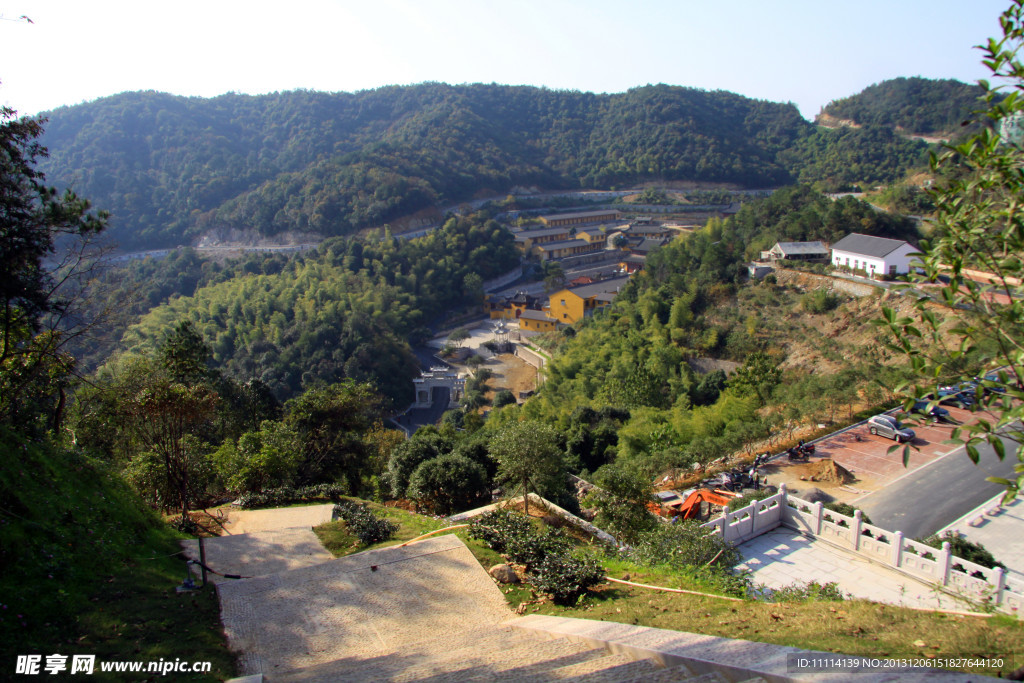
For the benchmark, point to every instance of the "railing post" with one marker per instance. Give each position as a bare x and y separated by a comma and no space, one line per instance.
858,521
897,549
997,597
753,518
818,516
945,562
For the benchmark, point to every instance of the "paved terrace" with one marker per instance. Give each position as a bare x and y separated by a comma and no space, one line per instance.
784,556
998,527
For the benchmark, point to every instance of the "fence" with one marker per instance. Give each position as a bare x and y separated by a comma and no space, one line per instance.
759,517
936,566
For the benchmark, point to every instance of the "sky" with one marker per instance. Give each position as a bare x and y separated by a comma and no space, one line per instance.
808,53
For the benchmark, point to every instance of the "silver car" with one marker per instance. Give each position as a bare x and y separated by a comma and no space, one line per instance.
890,427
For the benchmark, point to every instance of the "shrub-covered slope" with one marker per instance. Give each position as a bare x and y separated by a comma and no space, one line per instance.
87,568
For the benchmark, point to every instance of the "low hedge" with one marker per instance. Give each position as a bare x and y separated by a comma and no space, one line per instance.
287,495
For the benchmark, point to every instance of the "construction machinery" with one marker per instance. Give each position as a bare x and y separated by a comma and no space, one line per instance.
690,506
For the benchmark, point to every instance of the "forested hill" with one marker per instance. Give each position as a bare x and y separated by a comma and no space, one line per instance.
923,106
169,168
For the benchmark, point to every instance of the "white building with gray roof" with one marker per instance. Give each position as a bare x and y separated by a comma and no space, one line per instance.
877,256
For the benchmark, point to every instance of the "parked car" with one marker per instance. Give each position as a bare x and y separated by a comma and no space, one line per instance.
935,413
995,386
959,395
890,427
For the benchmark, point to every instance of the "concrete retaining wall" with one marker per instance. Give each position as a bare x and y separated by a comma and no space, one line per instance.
531,357
502,280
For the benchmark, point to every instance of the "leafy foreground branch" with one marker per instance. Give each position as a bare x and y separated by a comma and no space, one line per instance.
977,257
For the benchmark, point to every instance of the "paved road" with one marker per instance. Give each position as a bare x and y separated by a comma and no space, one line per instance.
930,498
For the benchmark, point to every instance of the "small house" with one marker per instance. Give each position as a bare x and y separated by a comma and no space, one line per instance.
796,251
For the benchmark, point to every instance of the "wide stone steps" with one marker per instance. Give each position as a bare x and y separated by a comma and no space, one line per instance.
526,661
488,658
428,612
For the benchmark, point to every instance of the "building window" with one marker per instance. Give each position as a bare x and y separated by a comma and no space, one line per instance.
563,302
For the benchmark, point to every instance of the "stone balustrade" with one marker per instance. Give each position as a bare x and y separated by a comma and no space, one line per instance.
937,566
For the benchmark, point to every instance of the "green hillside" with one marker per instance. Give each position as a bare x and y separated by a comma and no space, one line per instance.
347,310
169,168
922,106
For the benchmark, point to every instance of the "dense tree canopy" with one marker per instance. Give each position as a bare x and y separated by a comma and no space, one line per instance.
917,105
43,253
170,168
347,311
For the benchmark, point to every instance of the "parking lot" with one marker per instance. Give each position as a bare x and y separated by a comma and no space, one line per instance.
867,457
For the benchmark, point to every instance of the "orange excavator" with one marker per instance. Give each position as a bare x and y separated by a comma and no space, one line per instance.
689,507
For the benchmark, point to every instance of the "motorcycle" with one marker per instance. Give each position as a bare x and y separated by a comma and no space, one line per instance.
796,454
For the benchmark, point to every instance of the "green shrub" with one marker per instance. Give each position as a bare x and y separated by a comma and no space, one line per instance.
365,525
682,544
550,566
566,578
848,510
500,527
811,591
964,549
819,301
745,500
449,483
286,495
503,398
531,548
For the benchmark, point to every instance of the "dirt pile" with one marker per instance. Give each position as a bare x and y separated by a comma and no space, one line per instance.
829,471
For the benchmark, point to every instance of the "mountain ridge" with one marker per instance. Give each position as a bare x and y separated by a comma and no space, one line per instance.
169,168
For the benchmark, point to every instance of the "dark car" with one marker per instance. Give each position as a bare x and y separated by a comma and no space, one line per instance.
935,413
960,396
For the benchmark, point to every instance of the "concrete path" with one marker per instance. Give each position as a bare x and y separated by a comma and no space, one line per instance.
364,605
784,557
260,553
248,521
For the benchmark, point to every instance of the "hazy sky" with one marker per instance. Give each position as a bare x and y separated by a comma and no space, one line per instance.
782,50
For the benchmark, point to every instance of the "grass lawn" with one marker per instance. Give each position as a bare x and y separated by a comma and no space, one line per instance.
853,627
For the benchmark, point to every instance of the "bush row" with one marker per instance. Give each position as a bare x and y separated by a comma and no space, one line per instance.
546,555
366,526
287,495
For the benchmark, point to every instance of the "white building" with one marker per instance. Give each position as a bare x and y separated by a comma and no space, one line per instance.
877,256
796,251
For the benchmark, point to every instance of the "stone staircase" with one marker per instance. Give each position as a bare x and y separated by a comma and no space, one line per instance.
429,612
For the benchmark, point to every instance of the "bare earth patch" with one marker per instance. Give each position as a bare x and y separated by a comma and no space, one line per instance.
510,372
